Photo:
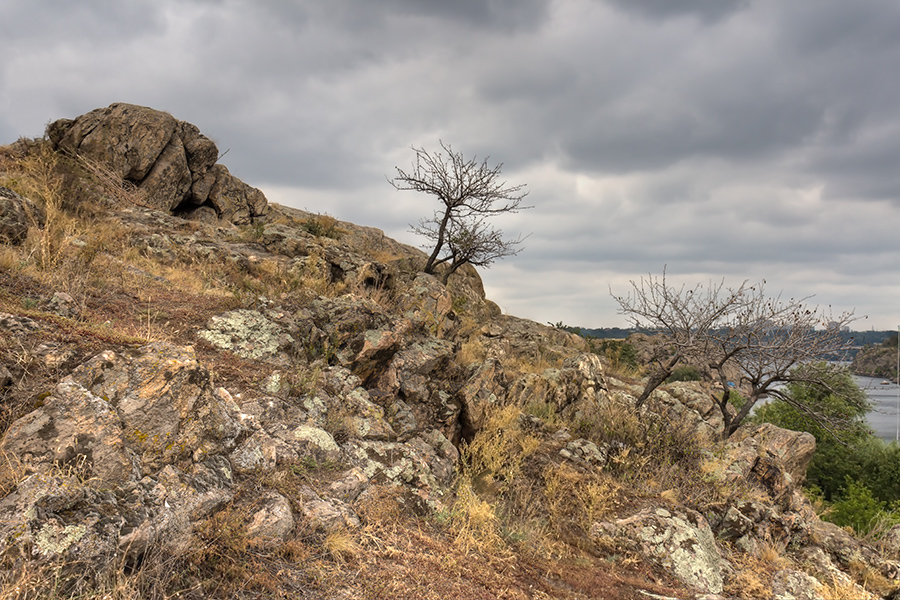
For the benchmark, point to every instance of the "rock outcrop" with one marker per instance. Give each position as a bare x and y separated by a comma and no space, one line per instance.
17,214
321,393
169,160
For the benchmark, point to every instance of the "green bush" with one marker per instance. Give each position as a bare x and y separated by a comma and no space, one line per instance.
858,508
685,373
619,352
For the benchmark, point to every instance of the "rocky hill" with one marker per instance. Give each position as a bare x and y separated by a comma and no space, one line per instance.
205,395
876,361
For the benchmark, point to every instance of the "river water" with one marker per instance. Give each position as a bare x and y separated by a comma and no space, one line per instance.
883,417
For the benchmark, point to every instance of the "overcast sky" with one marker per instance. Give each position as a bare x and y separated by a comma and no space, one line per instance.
735,139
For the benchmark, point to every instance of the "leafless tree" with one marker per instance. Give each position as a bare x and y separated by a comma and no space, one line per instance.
469,192
763,342
776,343
683,316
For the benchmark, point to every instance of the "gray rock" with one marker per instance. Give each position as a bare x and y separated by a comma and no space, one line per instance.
74,429
247,333
169,160
272,520
585,452
679,540
261,453
349,485
164,401
330,515
789,584
17,214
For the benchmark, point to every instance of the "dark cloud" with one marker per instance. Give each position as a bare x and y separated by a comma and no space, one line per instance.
707,10
720,137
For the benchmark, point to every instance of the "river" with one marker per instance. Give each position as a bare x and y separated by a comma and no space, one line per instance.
883,417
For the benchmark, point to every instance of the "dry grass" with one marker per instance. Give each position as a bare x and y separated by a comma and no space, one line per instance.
470,352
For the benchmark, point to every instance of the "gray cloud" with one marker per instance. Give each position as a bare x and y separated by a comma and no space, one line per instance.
706,10
739,138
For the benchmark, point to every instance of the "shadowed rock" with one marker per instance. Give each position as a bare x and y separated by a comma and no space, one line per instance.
168,159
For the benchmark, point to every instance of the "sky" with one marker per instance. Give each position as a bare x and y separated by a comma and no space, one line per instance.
720,140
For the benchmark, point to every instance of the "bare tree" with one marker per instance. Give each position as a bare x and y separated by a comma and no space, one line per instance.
469,192
765,343
683,316
781,346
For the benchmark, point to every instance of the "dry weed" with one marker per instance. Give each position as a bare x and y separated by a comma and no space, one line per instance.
576,500
474,521
341,546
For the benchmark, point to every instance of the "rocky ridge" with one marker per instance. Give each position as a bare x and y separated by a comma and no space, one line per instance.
317,383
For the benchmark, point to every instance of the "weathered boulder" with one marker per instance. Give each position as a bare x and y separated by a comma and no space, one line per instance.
426,462
157,401
247,333
17,214
61,516
412,388
74,429
329,514
262,453
508,337
679,540
789,584
170,160
580,380
125,138
484,389
272,520
233,199
777,458
699,407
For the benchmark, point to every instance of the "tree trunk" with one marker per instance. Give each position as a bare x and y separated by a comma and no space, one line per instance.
657,379
442,230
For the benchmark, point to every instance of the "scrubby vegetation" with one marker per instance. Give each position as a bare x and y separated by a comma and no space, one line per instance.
855,474
537,489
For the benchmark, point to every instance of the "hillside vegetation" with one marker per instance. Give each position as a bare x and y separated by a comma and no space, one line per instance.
279,404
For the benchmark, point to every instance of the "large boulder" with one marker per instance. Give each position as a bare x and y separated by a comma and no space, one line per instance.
17,214
118,417
678,540
762,448
170,160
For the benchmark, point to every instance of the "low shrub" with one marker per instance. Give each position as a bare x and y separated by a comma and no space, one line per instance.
685,373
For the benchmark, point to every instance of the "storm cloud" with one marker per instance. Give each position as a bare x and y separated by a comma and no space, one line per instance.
735,139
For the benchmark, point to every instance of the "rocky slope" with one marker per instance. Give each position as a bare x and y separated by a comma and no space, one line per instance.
876,361
205,395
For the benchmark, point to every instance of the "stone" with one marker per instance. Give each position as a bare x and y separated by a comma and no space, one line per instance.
585,452
792,448
247,333
170,161
201,214
125,138
789,584
17,214
233,199
349,485
330,515
679,540
426,462
261,453
776,458
169,180
315,443
164,401
17,325
63,305
74,430
273,519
